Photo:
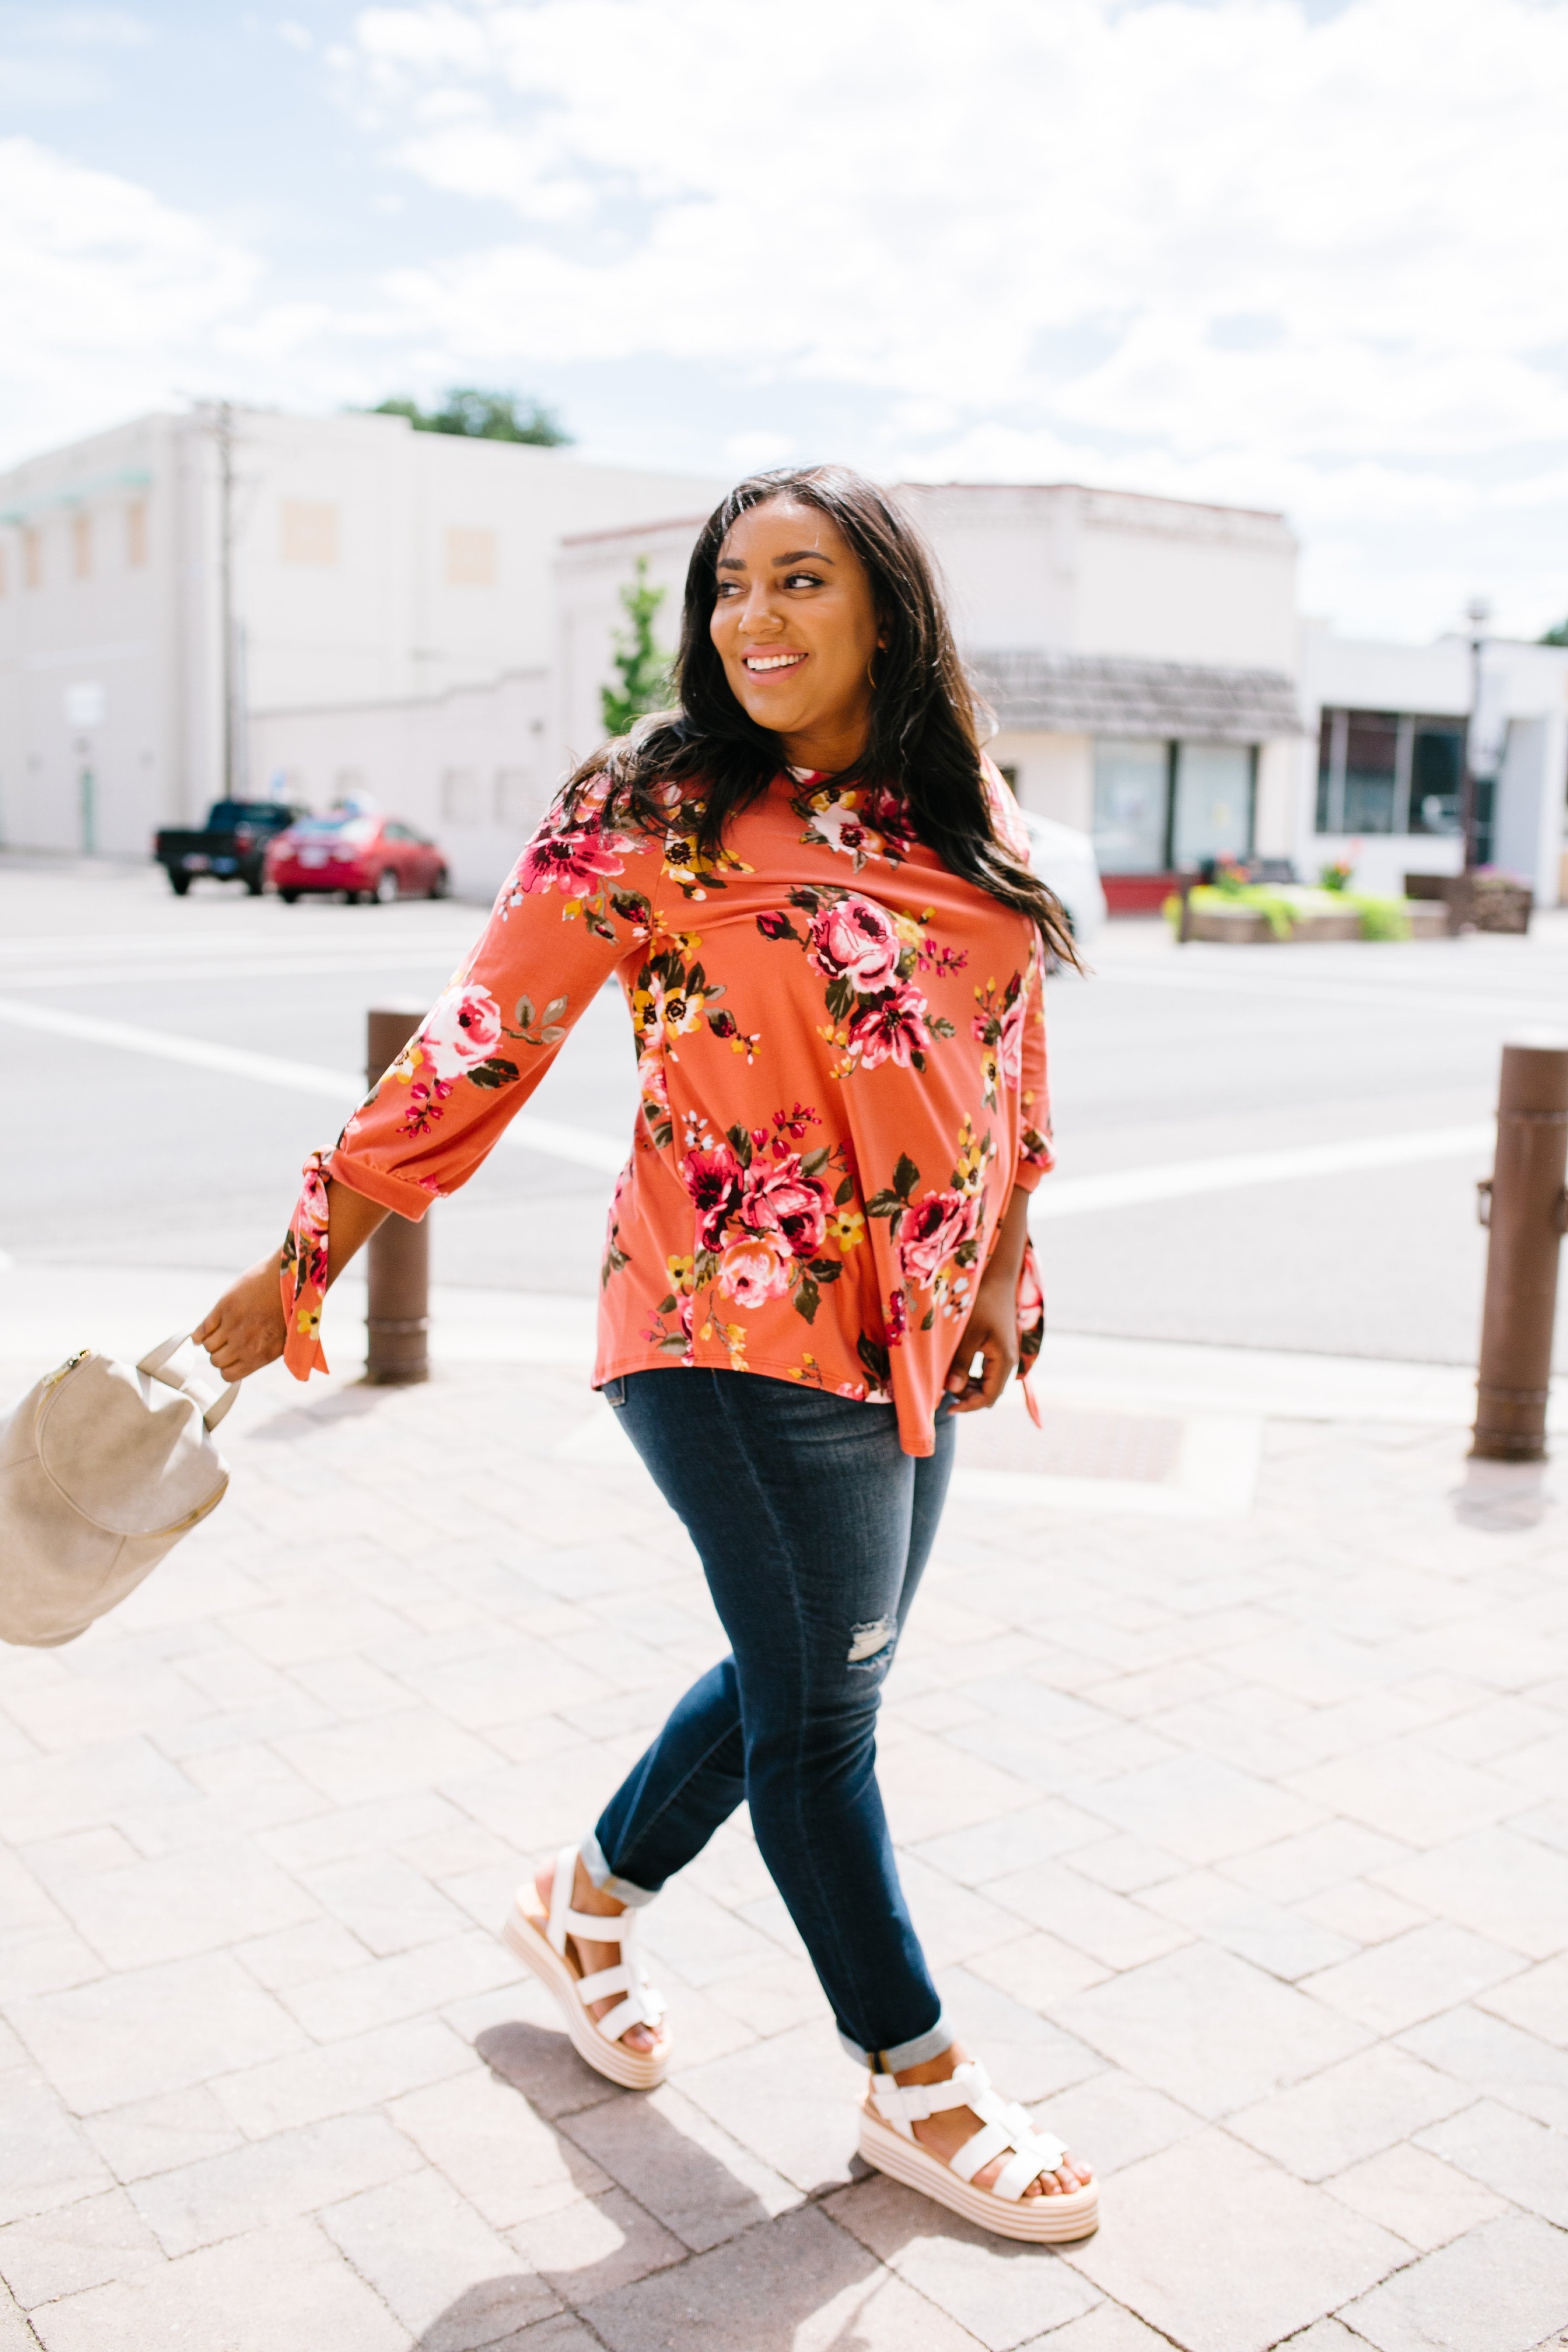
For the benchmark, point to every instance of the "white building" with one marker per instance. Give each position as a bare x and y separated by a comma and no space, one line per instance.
431,620
1383,758
371,567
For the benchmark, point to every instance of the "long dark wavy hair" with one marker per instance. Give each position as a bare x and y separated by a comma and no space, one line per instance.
925,741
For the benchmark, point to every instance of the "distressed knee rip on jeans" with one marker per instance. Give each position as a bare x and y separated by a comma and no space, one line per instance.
872,1644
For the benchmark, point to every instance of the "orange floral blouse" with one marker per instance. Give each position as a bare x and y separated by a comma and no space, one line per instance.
842,1062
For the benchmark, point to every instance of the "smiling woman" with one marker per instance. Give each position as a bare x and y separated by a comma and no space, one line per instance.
811,888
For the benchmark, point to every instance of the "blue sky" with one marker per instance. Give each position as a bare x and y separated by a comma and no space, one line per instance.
1304,254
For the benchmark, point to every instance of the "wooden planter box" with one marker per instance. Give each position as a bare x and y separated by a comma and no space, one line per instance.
1479,902
1246,927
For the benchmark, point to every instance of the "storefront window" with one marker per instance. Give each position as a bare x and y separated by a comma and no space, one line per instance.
1436,774
1131,807
1371,768
1389,771
1211,813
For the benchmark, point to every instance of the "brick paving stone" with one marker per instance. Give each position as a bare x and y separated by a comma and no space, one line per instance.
1201,1809
668,2154
194,1901
1537,2001
1409,1791
1414,1976
792,2100
151,2030
596,2244
1037,1970
271,2180
443,2271
87,2243
1105,2328
1175,2255
46,2159
509,2163
801,2284
1499,2059
148,2135
1501,2288
313,2083
1005,2293
1509,2153
1350,2111
1503,1886
1110,1928
1209,2030
1416,2196
275,2290
1274,1937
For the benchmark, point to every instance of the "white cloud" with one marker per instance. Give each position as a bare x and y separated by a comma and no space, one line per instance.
946,206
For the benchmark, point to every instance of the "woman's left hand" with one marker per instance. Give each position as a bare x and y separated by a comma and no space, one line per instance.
991,1332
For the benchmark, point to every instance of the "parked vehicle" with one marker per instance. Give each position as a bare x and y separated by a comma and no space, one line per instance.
232,844
363,857
1063,860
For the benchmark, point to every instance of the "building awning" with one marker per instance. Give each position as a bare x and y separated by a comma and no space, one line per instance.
1106,694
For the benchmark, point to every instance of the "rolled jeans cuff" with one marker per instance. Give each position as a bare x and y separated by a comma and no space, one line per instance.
929,2045
604,1879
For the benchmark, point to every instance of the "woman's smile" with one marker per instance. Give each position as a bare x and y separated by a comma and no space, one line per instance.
762,665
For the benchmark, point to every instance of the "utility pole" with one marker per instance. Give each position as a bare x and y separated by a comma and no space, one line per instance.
223,433
1477,612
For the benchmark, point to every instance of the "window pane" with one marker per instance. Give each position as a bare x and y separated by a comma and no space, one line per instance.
1131,798
1372,752
1325,771
1436,763
1214,802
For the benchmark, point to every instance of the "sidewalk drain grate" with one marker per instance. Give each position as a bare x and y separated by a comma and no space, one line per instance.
1143,1447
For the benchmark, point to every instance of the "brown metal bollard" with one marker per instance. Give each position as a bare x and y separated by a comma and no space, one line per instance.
1525,1208
397,1319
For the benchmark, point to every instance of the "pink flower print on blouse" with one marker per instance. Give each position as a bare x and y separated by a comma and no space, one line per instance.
857,941
934,1230
576,861
891,1028
462,1029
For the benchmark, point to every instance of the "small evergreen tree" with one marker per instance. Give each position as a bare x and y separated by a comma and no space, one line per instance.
482,416
645,673
1557,636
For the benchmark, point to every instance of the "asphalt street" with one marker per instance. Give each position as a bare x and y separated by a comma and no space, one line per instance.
120,1157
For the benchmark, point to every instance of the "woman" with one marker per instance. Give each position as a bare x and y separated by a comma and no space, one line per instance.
807,885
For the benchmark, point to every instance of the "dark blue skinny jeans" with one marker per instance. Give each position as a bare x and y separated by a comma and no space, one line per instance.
813,1527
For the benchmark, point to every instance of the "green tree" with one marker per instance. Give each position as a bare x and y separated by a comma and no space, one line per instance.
645,673
1557,636
482,416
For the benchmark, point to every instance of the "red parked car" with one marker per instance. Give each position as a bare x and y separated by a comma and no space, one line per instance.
365,857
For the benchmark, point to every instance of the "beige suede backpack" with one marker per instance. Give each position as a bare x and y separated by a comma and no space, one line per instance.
103,1467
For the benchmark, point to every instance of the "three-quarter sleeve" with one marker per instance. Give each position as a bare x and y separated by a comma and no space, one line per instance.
578,899
1035,1155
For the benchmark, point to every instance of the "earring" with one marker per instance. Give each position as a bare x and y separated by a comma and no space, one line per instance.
871,675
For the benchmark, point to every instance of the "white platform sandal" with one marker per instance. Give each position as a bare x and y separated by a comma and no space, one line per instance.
888,2141
539,1941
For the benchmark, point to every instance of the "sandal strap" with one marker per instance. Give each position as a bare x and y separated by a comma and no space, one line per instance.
642,2005
1004,2125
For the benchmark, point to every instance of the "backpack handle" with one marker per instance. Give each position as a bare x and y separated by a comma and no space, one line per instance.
153,1362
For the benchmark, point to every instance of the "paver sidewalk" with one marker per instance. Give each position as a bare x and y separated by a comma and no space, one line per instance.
1238,1843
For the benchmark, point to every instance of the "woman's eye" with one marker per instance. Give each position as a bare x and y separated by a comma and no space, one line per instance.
804,579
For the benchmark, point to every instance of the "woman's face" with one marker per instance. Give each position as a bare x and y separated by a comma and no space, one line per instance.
796,626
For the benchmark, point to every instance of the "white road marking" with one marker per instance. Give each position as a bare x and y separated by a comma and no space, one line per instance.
580,1144
1181,1180
1060,1196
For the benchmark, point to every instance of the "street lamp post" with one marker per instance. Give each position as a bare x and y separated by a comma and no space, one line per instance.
1477,613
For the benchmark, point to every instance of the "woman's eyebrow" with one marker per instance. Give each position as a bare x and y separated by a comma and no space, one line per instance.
802,554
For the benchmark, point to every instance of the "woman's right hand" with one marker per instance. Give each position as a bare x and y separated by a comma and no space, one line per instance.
246,1329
